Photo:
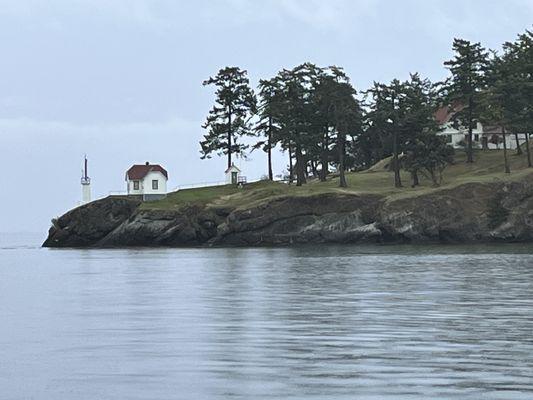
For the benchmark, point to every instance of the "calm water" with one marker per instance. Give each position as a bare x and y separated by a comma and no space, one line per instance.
315,322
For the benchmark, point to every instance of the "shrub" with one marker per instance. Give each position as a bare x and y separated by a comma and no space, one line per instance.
497,214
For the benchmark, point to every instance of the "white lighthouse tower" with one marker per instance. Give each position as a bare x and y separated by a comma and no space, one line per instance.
85,185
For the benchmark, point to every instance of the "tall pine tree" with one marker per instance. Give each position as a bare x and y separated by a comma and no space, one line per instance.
344,115
229,119
419,122
465,86
267,126
518,58
385,118
297,115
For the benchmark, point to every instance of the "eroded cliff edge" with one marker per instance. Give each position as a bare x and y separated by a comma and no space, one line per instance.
470,212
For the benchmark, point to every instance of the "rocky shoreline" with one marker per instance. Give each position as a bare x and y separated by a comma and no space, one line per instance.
468,213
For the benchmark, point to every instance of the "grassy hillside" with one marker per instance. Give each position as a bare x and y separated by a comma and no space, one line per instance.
488,166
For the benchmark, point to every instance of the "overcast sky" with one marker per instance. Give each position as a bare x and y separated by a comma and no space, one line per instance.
121,80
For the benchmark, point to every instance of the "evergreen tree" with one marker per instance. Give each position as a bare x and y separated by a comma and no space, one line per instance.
429,154
465,86
420,102
501,101
385,118
326,91
401,114
229,119
347,122
297,114
268,112
344,117
375,143
518,59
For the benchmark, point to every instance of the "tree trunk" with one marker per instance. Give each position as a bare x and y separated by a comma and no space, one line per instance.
505,160
396,164
470,150
414,176
518,148
434,178
300,166
341,145
314,168
528,151
270,175
229,137
324,157
291,168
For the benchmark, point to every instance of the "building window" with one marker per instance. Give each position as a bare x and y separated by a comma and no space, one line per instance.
476,137
135,185
449,139
155,184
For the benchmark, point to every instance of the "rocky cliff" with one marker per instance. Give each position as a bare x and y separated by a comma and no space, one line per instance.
469,212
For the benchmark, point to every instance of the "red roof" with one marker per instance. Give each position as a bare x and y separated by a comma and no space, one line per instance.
445,113
138,172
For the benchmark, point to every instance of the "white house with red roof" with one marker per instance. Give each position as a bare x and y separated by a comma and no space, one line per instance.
147,180
483,136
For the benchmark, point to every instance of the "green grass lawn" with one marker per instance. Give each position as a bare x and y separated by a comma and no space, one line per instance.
488,166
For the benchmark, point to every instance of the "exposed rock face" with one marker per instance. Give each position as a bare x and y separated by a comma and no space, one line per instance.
454,215
89,224
321,218
473,212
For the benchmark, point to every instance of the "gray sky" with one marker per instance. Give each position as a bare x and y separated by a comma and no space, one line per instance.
120,80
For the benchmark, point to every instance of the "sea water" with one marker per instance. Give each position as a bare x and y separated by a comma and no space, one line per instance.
318,322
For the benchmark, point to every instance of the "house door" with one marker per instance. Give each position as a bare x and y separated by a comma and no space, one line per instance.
234,178
484,142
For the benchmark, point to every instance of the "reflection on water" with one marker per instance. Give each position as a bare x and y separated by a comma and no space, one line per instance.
323,322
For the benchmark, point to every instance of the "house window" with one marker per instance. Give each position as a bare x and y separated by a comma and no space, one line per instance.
476,137
135,185
449,139
155,184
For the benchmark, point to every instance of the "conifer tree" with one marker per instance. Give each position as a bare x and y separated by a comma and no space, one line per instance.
518,58
500,101
385,118
465,86
420,103
344,114
297,112
268,112
430,155
229,119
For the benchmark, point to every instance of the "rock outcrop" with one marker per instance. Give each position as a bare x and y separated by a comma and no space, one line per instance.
471,212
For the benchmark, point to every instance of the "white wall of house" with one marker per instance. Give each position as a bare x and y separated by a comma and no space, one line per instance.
455,137
145,184
161,183
131,187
